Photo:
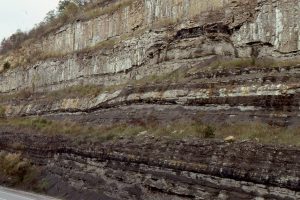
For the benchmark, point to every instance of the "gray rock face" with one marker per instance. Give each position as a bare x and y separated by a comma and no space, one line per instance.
152,38
151,43
276,26
146,44
147,168
235,95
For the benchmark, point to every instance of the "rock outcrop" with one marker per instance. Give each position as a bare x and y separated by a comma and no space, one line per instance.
152,37
229,61
141,39
147,168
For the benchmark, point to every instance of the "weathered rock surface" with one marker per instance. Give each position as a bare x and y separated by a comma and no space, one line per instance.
147,168
263,94
151,38
148,45
145,38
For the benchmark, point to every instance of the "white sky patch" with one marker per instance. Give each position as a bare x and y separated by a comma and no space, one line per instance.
22,14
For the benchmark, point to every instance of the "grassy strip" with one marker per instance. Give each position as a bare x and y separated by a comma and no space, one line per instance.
177,130
260,132
103,133
2,111
239,63
93,11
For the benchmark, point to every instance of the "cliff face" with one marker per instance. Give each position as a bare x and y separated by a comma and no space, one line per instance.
218,62
145,168
151,34
134,40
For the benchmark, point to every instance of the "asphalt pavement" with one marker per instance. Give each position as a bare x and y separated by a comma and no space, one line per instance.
10,194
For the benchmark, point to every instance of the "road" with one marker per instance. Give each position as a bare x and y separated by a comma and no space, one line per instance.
10,194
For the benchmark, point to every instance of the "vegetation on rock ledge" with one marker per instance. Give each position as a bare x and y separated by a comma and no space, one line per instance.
259,132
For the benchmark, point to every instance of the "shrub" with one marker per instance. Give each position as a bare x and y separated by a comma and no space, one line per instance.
6,66
42,185
76,91
16,169
2,112
25,93
175,130
209,132
40,123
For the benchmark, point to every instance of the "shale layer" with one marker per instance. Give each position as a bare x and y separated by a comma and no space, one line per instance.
147,168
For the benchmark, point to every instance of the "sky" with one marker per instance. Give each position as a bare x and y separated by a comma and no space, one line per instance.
22,14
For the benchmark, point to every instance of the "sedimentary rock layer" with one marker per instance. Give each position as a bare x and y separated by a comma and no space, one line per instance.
155,38
147,168
263,94
152,37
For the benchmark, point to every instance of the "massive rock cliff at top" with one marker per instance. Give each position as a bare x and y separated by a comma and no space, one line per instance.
151,39
132,40
142,37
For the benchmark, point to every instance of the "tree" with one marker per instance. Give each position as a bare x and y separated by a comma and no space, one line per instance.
62,4
67,10
6,66
50,16
13,42
65,4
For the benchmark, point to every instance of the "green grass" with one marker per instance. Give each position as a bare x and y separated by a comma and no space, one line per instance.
2,112
44,126
263,133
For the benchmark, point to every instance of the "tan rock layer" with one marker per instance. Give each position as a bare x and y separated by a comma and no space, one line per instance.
258,93
230,28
